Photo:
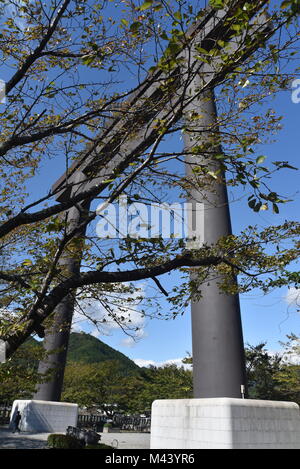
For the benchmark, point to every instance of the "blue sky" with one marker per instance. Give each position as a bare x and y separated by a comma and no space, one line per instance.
270,317
265,318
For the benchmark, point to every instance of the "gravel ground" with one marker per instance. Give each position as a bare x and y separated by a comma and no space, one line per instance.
10,440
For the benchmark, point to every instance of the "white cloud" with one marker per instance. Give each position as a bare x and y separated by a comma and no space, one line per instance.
12,9
141,362
176,361
91,316
130,341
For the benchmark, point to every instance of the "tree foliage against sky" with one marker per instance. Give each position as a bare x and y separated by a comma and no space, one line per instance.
70,69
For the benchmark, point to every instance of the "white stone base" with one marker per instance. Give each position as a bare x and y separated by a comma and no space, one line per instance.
45,416
224,423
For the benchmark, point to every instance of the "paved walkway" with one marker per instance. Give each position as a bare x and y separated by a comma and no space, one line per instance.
127,440
10,440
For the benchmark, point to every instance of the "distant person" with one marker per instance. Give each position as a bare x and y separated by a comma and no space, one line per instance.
16,422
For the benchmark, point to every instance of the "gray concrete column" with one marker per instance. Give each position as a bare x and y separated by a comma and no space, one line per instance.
218,350
57,336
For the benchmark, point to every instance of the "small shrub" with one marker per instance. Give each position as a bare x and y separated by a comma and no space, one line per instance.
60,441
99,446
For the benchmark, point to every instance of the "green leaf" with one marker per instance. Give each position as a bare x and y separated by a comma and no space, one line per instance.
173,48
257,207
88,59
201,50
164,35
286,165
220,156
152,69
254,183
217,4
146,5
107,181
27,262
134,27
212,174
260,159
252,203
236,27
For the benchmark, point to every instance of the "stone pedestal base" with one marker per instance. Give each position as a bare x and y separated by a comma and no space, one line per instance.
45,416
224,423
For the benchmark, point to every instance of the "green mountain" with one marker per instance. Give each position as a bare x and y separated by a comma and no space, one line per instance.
86,348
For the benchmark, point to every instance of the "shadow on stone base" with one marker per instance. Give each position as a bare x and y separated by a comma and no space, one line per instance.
45,416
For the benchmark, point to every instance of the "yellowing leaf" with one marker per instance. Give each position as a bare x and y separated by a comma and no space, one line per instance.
27,262
260,159
146,5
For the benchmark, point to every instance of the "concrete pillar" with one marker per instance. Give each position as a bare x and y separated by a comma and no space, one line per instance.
57,336
218,350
